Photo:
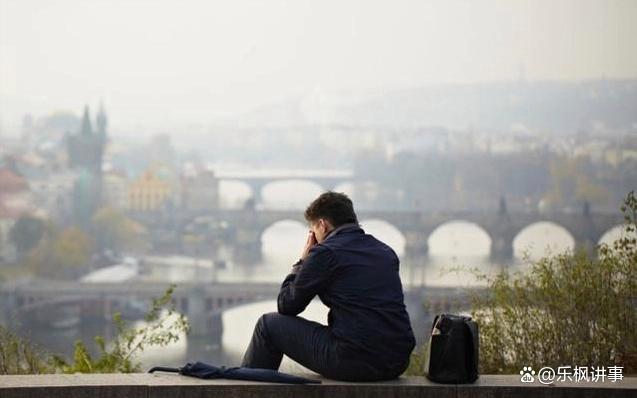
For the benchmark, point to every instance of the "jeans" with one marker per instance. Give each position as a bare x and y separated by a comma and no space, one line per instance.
312,345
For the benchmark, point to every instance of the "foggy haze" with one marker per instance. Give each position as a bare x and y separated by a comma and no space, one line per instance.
148,142
167,65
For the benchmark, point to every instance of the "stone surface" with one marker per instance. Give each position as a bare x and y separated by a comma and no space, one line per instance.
172,385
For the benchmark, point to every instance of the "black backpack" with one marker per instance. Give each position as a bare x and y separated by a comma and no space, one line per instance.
452,353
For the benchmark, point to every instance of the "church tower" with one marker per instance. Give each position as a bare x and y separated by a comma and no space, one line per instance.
86,129
102,121
86,148
85,153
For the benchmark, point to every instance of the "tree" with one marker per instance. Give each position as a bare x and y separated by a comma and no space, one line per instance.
571,180
26,233
113,230
19,356
61,253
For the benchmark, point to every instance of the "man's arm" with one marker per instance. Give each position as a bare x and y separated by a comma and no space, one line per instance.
310,278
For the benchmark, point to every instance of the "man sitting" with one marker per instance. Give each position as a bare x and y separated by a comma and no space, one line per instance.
369,335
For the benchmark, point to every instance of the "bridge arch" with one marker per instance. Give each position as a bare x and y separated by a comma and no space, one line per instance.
385,232
233,194
283,240
289,194
459,238
346,187
614,233
541,238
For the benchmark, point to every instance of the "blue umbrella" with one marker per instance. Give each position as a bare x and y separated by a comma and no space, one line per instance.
205,371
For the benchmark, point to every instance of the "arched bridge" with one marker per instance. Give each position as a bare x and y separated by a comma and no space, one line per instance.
257,180
45,301
502,227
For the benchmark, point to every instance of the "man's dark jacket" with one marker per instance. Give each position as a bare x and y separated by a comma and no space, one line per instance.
356,276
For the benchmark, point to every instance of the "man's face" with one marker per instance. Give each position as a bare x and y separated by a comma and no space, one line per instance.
321,228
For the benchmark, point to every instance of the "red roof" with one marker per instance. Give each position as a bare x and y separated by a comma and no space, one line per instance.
9,212
10,182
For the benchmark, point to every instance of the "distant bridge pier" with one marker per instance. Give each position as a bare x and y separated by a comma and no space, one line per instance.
256,186
586,235
416,246
502,233
7,305
415,256
501,248
107,309
193,305
423,304
588,246
204,312
248,246
215,324
587,232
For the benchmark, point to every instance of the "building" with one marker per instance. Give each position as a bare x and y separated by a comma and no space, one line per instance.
15,193
149,192
53,193
115,190
200,191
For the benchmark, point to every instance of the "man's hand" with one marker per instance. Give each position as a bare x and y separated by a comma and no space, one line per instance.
311,241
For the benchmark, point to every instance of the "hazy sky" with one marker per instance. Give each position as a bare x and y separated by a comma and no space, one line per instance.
171,62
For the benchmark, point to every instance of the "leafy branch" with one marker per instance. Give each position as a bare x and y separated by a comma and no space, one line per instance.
160,330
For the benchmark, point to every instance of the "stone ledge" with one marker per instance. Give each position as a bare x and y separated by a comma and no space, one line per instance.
159,385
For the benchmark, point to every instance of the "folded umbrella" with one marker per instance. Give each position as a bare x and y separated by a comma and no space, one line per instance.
206,371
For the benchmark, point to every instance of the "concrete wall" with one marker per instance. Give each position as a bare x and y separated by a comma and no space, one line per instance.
172,385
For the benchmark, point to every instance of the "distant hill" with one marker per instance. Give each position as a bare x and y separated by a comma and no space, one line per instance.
552,106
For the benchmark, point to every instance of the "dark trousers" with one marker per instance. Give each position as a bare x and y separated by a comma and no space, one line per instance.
312,345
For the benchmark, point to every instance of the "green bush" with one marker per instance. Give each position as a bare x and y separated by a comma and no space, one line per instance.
573,309
18,356
119,357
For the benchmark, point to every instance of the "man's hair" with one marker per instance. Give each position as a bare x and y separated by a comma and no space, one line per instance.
336,207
